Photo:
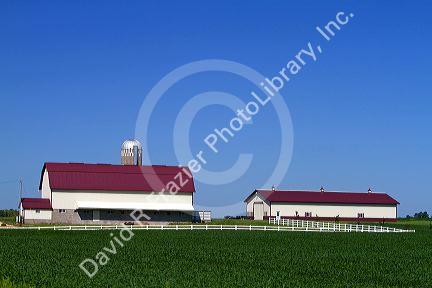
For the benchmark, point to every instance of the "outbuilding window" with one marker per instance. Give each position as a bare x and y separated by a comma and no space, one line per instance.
360,215
37,211
62,210
308,214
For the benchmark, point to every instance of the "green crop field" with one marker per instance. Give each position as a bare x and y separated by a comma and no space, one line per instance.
219,259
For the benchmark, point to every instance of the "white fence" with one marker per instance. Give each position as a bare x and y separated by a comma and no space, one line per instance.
304,225
153,227
281,225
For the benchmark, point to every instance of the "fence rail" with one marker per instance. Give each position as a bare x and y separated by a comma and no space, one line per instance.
305,225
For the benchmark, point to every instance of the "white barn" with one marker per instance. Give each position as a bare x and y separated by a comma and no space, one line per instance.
78,193
321,205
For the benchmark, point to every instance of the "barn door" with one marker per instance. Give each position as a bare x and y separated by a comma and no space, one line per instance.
258,211
96,215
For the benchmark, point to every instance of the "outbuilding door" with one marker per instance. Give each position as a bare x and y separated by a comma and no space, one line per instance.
258,210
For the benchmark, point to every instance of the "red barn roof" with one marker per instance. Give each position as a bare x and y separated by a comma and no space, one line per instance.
80,176
324,197
36,203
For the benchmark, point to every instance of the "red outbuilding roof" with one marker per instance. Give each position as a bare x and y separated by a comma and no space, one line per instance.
36,203
80,176
325,197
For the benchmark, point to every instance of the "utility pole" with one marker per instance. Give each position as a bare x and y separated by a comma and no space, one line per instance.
20,199
21,188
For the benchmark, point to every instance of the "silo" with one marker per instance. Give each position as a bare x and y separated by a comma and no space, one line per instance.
131,153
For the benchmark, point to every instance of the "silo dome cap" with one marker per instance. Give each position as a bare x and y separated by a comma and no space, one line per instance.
130,144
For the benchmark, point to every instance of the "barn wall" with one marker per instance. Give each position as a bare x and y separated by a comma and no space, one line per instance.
332,210
46,190
42,215
68,199
107,217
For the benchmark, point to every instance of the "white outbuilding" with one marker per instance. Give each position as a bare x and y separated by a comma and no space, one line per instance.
321,205
35,210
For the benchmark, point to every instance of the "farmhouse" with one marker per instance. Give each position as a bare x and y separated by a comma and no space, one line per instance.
78,193
321,205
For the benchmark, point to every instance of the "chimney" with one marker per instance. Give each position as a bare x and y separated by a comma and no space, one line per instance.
322,189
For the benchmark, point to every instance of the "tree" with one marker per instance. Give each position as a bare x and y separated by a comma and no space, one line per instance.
8,213
421,215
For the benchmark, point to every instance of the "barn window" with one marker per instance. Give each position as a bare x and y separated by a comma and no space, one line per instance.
360,215
37,211
308,214
62,210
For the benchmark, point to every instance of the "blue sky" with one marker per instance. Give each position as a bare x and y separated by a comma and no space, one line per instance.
73,76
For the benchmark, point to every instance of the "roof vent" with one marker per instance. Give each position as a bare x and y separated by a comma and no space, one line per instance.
369,190
273,188
322,189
